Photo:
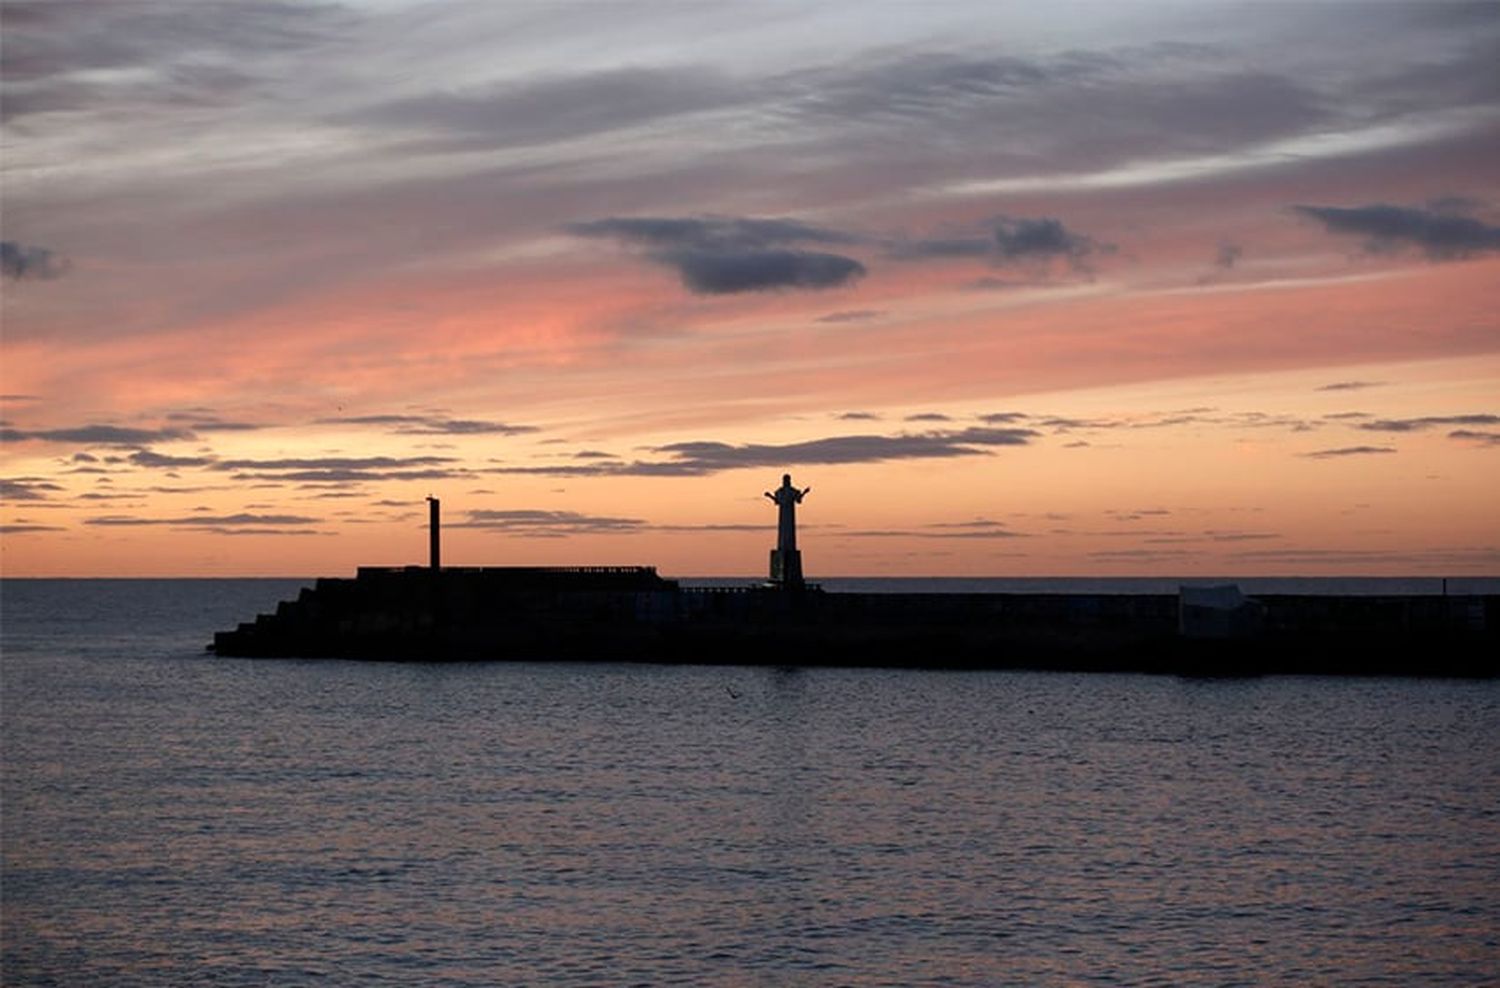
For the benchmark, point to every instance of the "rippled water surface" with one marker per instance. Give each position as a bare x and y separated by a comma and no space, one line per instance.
171,818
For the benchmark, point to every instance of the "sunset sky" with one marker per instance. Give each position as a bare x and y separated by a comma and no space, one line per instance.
1017,289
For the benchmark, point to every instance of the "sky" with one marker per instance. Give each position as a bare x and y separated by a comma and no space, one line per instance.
1017,289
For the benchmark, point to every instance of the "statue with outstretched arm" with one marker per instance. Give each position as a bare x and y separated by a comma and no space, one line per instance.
786,561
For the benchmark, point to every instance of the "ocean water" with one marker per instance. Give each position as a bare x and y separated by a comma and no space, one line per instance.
172,818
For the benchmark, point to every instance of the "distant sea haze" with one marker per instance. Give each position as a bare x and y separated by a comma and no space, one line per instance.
171,817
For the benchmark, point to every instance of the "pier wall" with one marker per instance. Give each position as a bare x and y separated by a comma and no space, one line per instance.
632,614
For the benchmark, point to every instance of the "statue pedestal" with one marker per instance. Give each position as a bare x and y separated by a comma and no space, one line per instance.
786,567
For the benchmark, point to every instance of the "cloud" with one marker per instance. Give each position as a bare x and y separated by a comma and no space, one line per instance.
728,255
335,463
1427,422
207,422
148,458
426,425
1476,437
537,523
203,521
561,108
725,273
1442,236
706,457
20,262
101,435
1349,386
25,528
1023,240
58,55
1138,555
699,458
851,315
709,231
220,530
26,489
1330,454
942,248
1209,536
353,476
1011,242
1228,256
979,528
344,469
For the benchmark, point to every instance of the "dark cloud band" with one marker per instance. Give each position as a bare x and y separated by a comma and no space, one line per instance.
1440,234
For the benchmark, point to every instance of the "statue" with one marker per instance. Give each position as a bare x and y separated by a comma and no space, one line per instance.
786,561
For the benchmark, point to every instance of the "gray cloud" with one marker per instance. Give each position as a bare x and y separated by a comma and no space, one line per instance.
149,458
1349,386
428,425
1475,436
1210,536
1442,236
725,273
335,463
1138,555
20,262
713,456
203,421
1012,241
942,248
345,469
537,523
979,528
1427,422
23,528
203,521
696,459
709,232
1024,240
727,255
220,530
26,489
100,435
851,315
1331,454
338,475
159,54
559,109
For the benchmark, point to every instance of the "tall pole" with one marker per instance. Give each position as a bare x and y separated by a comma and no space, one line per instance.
434,535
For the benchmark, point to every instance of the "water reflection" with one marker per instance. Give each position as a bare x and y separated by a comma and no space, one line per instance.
171,820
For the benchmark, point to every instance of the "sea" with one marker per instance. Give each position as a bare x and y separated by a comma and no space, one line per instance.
168,817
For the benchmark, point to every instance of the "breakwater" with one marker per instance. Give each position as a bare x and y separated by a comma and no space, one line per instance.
633,614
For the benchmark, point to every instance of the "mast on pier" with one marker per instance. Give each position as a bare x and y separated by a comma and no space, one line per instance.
434,535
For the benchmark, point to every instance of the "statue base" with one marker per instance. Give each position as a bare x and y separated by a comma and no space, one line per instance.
786,567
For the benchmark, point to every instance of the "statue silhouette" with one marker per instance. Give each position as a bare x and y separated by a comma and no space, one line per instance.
786,561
